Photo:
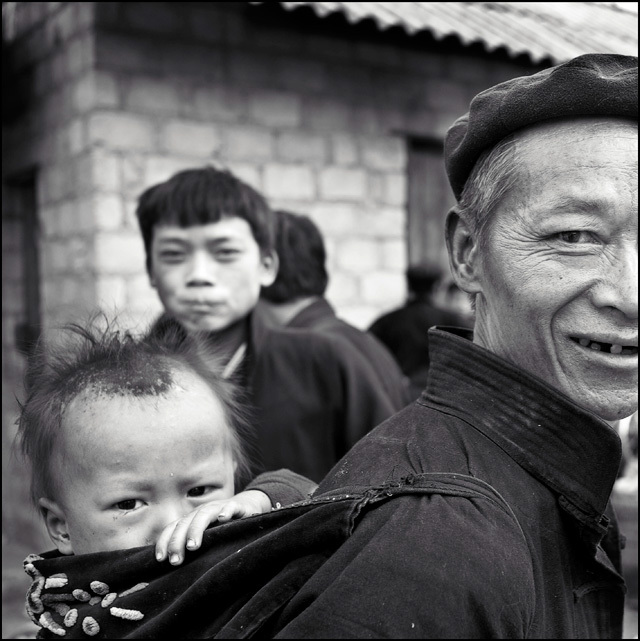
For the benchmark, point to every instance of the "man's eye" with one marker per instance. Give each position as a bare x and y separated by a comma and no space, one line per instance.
575,237
127,505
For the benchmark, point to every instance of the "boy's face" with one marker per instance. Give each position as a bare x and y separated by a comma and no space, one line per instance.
130,465
209,276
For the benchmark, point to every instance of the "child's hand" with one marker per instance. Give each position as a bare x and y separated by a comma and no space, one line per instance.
187,531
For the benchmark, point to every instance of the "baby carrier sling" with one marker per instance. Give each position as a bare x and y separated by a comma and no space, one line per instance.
234,587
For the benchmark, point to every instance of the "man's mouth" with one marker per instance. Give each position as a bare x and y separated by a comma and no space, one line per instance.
607,348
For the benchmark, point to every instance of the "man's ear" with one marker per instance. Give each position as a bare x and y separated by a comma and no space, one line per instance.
270,263
56,525
462,245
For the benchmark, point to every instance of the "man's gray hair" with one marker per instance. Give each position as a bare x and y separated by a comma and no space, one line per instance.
491,179
489,182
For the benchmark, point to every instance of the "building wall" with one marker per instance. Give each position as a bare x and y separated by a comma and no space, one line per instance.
318,125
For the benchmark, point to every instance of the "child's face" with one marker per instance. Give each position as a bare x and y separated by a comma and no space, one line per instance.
131,465
209,276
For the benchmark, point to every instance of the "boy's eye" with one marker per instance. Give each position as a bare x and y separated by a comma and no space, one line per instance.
227,253
128,504
171,255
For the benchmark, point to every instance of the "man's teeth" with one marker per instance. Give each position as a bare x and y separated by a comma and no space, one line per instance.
605,347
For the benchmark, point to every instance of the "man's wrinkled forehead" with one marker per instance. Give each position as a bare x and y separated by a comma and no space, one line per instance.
556,162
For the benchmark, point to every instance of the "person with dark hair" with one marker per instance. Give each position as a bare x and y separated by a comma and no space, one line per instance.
209,242
133,442
296,299
404,331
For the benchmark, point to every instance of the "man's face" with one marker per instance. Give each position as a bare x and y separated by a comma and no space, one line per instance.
558,276
128,466
209,276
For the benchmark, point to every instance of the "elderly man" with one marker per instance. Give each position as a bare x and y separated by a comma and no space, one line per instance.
508,458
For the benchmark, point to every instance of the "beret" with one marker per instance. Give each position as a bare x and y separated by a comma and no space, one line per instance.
589,85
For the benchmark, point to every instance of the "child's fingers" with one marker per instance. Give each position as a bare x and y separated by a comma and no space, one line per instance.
178,539
163,541
201,520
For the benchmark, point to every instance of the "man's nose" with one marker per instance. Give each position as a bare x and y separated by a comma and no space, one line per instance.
619,285
202,270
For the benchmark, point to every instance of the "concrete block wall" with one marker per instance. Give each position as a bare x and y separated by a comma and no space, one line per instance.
126,94
53,45
318,125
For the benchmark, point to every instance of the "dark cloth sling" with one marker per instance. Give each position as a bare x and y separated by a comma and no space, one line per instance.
235,586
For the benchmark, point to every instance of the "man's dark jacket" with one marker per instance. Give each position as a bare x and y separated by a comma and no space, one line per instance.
311,397
321,316
449,566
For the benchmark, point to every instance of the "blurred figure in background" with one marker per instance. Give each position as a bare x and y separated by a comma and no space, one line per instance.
452,299
404,330
296,299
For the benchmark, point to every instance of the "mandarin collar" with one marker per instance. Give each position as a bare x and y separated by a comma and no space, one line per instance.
566,447
319,309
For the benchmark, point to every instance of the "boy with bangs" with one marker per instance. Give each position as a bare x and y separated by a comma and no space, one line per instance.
210,249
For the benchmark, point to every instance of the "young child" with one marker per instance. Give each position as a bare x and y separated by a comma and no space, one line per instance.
133,442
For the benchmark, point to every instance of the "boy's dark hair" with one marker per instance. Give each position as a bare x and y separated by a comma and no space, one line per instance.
116,363
302,257
202,196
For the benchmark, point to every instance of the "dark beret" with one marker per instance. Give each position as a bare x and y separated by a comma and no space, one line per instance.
590,85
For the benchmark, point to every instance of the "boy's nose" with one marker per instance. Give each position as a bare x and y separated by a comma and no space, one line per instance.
201,271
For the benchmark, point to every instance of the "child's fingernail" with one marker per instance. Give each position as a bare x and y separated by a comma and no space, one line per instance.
159,556
191,544
175,559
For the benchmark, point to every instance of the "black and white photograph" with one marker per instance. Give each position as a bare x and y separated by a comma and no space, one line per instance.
320,320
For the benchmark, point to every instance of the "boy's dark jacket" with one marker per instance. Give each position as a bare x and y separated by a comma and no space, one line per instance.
480,511
312,396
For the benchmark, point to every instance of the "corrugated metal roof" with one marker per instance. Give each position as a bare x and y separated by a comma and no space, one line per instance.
555,30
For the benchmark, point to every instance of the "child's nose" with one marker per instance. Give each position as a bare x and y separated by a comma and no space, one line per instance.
169,512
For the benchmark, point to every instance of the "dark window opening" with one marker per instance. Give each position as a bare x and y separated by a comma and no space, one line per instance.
429,200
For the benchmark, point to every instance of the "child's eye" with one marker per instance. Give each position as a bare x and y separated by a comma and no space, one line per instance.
128,504
200,490
169,255
227,253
